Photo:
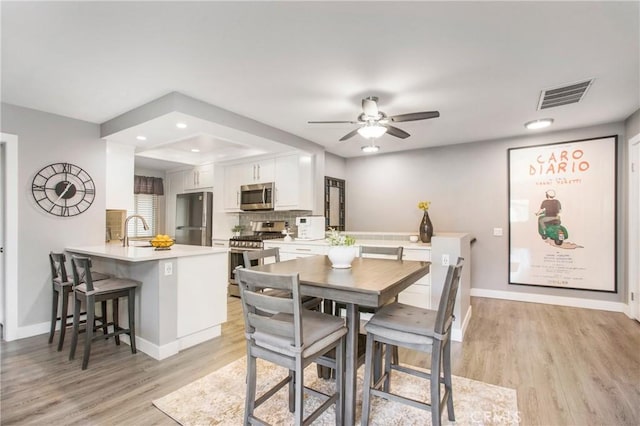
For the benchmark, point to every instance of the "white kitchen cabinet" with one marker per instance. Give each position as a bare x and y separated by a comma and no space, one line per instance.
295,250
419,293
233,176
199,178
293,182
261,171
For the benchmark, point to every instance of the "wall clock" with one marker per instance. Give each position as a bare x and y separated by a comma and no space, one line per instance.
63,189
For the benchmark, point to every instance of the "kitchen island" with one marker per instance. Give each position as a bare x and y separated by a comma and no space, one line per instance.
183,297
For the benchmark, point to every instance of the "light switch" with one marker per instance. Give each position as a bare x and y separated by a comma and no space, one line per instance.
497,232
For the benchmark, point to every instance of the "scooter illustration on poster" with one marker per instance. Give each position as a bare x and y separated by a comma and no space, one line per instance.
549,223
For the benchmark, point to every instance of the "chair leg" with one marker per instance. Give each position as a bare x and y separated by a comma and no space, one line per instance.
447,380
299,392
388,361
54,315
250,397
366,387
292,392
435,383
116,316
63,317
76,327
340,361
105,327
132,319
91,313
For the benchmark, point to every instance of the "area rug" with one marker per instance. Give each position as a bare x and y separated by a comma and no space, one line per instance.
218,399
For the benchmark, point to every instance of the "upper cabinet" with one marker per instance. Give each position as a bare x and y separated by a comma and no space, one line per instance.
199,178
294,183
292,175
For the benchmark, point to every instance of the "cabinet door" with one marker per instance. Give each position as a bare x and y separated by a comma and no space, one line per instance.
233,176
294,183
199,178
419,293
263,171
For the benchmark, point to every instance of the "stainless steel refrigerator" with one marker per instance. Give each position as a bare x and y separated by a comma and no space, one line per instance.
194,218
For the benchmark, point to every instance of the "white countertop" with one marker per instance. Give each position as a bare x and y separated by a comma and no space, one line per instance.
144,254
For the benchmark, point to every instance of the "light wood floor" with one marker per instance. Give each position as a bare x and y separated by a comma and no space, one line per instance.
569,366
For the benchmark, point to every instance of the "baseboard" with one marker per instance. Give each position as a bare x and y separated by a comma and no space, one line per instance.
574,302
457,334
199,337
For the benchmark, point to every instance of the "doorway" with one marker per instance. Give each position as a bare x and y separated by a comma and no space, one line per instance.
9,236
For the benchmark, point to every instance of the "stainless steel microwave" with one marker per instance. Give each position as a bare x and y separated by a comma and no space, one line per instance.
258,196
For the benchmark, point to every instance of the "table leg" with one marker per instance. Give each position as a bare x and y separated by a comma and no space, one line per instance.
351,367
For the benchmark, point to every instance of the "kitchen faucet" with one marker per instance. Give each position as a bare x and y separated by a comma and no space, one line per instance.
125,240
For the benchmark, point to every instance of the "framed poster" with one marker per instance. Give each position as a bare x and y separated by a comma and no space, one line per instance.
562,215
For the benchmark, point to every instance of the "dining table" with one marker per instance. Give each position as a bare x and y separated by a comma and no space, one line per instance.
370,282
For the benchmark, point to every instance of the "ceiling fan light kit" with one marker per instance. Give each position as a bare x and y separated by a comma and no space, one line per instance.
539,124
369,149
372,130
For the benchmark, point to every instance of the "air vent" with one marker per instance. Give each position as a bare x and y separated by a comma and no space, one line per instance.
564,95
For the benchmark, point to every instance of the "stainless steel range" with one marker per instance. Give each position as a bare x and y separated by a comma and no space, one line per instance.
237,245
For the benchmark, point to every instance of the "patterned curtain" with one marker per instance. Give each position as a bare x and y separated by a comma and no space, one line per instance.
148,185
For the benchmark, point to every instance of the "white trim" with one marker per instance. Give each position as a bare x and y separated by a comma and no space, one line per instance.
575,302
457,334
633,252
10,320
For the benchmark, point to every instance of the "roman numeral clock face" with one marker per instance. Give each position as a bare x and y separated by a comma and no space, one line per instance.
63,189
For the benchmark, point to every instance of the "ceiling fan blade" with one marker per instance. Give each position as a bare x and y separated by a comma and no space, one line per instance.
332,122
394,131
415,116
370,107
349,135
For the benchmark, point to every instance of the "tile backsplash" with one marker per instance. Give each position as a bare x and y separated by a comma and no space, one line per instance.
115,225
288,216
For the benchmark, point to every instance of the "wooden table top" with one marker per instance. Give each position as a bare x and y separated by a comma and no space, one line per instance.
369,281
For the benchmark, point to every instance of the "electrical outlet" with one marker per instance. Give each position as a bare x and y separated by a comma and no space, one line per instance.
168,268
445,260
497,232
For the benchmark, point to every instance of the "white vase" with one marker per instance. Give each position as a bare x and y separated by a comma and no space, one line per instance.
341,256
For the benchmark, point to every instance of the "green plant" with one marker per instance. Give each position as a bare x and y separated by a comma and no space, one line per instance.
335,238
237,228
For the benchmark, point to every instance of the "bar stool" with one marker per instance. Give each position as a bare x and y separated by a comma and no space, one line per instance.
62,287
87,291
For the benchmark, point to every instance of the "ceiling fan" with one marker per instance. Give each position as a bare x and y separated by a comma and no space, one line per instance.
374,123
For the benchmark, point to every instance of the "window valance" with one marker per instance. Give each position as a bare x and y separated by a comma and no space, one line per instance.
148,185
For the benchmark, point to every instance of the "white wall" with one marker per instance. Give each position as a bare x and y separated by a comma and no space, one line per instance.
43,139
119,180
467,185
335,166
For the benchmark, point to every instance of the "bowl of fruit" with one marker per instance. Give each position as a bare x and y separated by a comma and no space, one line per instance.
162,242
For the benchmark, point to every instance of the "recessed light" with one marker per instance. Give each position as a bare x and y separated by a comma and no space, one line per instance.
370,148
181,125
141,138
195,150
538,124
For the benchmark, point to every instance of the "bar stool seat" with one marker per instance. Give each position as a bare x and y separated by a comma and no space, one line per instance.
87,291
62,288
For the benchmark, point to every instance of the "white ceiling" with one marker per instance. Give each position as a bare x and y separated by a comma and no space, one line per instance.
481,64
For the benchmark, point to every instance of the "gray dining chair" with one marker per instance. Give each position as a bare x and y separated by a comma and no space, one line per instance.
271,255
87,291
293,338
423,330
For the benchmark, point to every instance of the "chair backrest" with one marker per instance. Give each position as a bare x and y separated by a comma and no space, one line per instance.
444,318
377,251
258,257
58,268
81,267
258,307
